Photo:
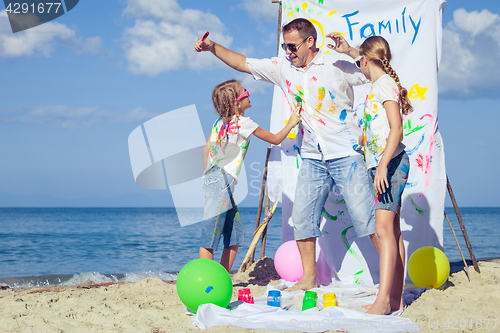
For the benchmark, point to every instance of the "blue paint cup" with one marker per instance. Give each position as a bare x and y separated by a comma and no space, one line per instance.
274,298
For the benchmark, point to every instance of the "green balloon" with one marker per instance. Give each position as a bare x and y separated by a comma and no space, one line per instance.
203,281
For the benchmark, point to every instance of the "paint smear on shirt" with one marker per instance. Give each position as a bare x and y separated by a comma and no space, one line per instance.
343,115
321,93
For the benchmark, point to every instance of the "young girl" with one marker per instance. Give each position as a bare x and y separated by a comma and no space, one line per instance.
388,163
223,156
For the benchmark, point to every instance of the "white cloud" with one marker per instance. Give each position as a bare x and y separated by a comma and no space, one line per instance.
163,36
92,45
261,9
42,40
78,117
471,49
474,22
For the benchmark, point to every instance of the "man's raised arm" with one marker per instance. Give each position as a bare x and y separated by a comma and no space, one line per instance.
230,58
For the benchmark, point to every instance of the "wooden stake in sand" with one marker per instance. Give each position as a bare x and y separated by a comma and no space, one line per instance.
459,249
462,226
260,228
262,192
249,257
247,262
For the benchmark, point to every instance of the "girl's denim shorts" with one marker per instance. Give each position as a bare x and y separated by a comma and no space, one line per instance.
220,217
397,175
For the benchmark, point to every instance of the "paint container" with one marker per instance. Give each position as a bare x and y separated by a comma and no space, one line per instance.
309,300
274,298
330,300
244,295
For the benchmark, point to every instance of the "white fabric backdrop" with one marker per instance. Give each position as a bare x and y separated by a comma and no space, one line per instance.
413,29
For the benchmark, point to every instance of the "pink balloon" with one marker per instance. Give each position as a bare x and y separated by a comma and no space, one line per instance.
288,263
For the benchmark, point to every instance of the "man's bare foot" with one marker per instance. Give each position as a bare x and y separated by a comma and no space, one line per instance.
304,284
379,308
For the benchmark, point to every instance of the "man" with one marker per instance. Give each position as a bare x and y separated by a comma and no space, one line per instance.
320,84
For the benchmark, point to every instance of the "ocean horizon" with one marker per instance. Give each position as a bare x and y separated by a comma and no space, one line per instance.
69,245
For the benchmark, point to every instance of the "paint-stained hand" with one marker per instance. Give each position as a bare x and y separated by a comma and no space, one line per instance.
380,182
341,44
294,118
203,45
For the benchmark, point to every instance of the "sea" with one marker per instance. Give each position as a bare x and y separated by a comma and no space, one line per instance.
68,246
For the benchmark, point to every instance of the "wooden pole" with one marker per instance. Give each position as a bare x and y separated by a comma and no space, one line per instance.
247,261
262,192
462,226
279,24
263,231
266,210
264,234
459,249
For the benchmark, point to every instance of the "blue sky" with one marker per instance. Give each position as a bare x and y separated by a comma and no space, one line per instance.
73,89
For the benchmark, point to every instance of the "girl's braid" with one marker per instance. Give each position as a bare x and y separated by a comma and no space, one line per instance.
376,48
223,95
406,107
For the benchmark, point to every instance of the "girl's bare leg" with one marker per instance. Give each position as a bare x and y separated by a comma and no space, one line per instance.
228,256
389,250
206,253
399,272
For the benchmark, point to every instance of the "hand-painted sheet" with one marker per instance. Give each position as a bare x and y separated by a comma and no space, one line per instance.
413,29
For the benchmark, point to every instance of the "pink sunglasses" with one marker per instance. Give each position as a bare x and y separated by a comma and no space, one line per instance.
245,93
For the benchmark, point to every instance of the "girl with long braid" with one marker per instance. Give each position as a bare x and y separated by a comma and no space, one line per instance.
223,156
388,163
386,160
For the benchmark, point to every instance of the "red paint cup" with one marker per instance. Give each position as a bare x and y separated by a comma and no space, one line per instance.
244,295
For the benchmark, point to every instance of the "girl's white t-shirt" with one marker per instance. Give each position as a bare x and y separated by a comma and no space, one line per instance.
229,155
376,125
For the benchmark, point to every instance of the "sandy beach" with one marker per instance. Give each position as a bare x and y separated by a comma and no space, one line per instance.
152,305
463,307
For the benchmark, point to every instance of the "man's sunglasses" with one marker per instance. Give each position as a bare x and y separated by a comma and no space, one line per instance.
293,47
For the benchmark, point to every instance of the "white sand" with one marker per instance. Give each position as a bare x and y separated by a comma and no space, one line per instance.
152,305
463,305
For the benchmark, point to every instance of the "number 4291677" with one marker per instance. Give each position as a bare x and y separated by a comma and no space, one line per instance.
23,8
463,324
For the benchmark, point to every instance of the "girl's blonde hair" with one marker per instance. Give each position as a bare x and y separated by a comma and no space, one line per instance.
224,97
377,49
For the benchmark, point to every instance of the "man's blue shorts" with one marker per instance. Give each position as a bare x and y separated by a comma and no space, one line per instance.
315,181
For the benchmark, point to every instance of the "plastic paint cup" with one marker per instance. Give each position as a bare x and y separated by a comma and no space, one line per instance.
309,300
244,295
274,298
330,300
